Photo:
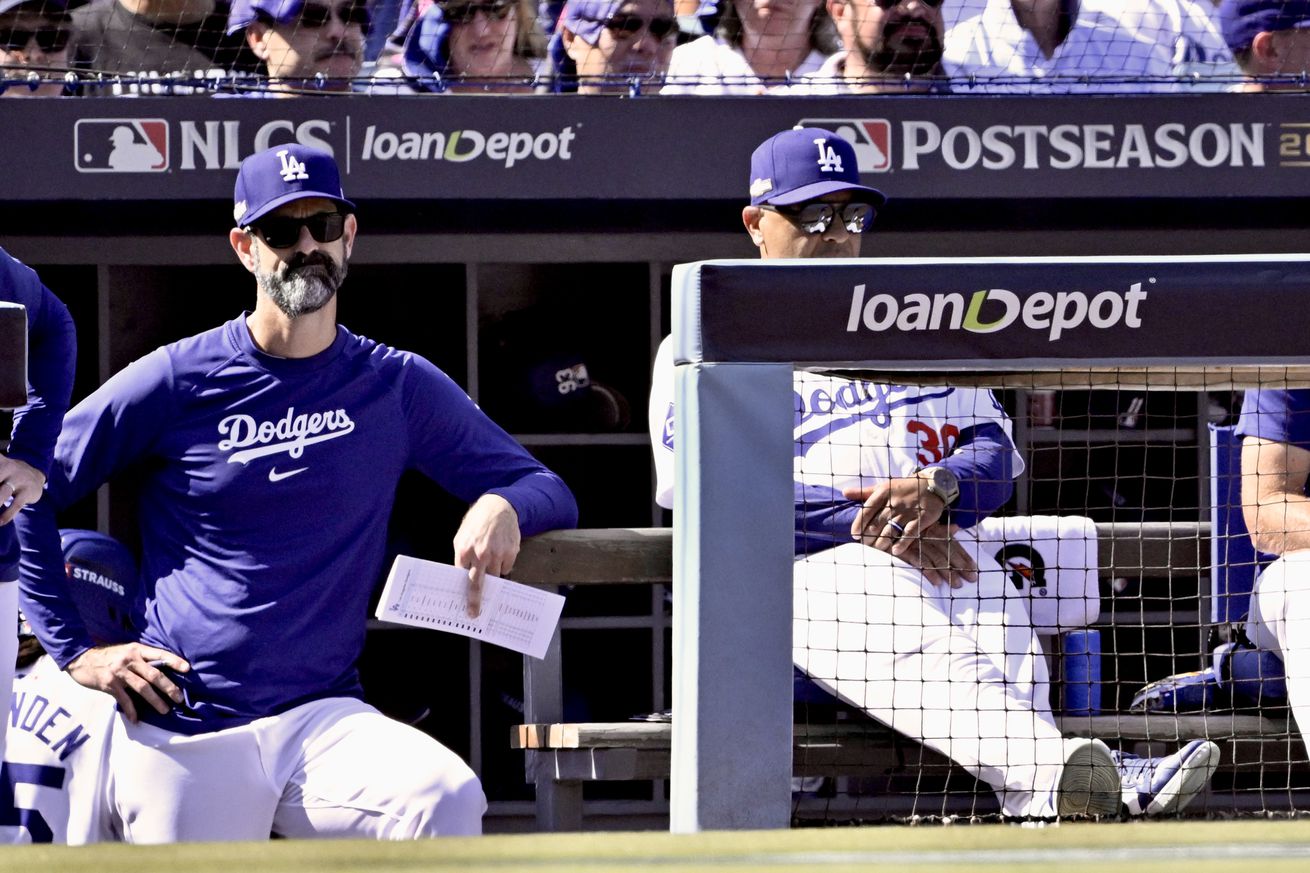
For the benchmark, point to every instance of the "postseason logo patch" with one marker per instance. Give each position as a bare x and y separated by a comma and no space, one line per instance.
872,138
121,145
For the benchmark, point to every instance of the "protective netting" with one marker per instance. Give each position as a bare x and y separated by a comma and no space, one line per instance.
254,47
1112,597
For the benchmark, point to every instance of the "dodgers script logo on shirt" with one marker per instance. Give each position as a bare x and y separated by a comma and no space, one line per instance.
821,412
121,145
291,433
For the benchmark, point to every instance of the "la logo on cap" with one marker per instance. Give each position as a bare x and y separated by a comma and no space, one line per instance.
293,169
829,160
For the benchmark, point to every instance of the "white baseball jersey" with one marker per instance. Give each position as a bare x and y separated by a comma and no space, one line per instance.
847,432
1125,46
56,772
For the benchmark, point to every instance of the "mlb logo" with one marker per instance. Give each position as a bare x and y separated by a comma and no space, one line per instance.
872,138
121,145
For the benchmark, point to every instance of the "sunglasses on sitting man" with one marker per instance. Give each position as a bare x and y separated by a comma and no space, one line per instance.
51,39
464,13
283,233
818,217
317,15
628,26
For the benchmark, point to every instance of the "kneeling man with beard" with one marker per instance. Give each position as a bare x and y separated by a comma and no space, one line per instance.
892,47
268,452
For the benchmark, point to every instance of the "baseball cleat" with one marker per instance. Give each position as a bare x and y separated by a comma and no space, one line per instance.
1161,786
1089,783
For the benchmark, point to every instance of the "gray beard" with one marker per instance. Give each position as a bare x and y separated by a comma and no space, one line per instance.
304,284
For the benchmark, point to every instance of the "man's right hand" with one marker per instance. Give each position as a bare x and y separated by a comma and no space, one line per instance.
123,670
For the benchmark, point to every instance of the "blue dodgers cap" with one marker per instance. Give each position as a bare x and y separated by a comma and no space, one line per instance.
1241,20
586,18
804,163
104,583
276,176
247,12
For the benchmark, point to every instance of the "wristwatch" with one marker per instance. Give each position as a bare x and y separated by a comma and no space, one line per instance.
941,482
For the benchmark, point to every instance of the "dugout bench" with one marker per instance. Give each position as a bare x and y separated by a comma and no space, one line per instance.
560,756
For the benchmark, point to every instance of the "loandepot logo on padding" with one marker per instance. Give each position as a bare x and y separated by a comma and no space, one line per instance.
996,309
458,146
872,138
121,145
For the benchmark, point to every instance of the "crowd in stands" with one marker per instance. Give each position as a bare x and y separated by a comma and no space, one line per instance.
290,47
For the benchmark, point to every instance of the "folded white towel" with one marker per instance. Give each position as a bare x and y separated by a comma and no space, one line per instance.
1052,561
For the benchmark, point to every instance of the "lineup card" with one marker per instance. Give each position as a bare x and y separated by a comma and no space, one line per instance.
434,595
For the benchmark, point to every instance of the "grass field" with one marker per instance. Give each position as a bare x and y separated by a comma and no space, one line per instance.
1121,847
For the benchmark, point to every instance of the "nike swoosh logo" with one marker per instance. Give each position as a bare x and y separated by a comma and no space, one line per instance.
275,476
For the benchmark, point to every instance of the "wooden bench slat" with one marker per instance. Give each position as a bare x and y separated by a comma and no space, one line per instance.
1153,548
630,556
1157,727
597,557
1175,728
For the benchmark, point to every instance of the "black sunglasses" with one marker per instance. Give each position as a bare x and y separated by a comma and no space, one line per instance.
625,26
818,217
51,39
316,15
283,233
464,13
888,4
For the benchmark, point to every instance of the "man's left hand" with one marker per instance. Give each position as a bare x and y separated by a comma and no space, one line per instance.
902,517
487,542
21,482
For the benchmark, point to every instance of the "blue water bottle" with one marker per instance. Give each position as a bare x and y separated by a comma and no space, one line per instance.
1082,672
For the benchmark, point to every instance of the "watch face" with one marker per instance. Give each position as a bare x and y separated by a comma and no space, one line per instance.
943,483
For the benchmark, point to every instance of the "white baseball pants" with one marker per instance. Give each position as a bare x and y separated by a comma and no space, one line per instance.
329,768
8,645
961,671
1279,621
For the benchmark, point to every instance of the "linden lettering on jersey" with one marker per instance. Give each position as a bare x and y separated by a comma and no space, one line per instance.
825,412
289,434
51,725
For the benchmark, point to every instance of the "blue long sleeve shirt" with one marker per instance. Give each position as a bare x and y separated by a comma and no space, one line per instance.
51,361
267,488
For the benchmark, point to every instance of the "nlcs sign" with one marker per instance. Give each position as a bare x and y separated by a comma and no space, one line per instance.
216,145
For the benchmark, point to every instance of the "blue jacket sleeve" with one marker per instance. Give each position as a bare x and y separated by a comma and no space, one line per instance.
110,429
456,445
823,518
51,360
983,460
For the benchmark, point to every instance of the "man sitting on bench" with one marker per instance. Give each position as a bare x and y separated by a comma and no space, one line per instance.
1275,426
897,610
